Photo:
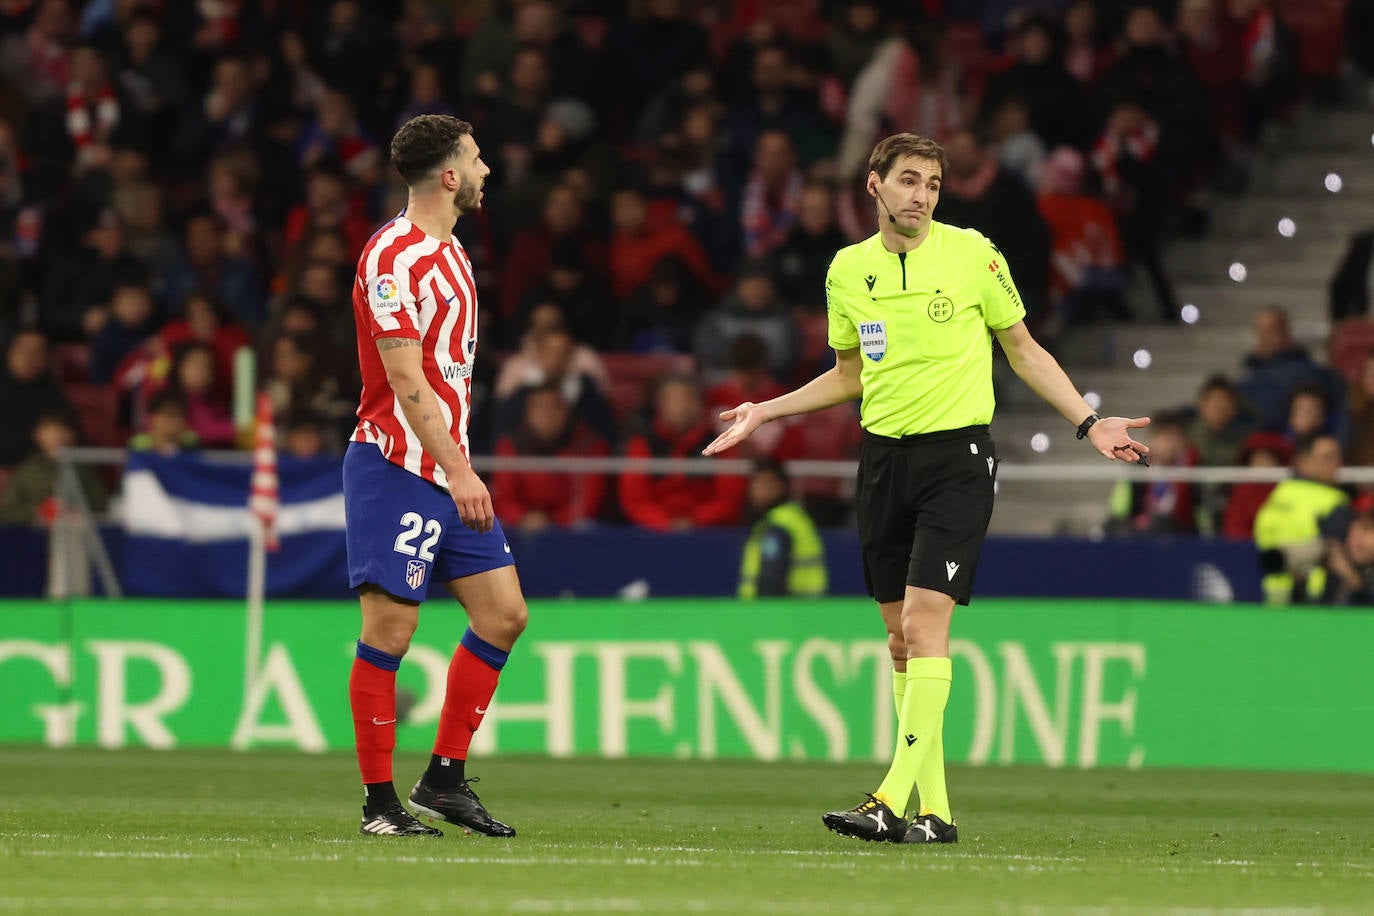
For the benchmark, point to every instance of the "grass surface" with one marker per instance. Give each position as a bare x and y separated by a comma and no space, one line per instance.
200,831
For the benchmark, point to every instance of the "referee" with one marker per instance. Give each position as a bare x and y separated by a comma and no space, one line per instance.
910,313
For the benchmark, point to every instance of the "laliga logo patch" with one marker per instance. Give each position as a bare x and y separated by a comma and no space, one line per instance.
386,295
873,339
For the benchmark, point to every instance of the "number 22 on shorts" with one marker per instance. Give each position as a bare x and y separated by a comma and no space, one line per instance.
412,525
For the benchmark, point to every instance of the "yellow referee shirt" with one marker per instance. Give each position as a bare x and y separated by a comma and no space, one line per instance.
922,320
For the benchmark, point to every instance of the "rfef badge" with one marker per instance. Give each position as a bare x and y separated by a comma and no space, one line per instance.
873,339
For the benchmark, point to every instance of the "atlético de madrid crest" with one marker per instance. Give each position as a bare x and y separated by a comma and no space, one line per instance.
873,339
415,574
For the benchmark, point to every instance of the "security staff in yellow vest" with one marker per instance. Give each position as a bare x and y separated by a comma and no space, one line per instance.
784,554
1288,526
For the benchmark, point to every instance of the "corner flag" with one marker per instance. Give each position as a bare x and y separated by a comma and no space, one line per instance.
264,499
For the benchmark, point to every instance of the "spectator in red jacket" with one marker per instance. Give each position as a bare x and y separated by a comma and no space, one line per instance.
1086,259
677,502
207,321
531,254
1261,450
327,205
532,501
750,380
637,244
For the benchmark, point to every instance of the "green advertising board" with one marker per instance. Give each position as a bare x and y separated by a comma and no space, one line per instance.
1059,683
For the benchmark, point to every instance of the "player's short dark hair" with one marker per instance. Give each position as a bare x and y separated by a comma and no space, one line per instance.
424,143
899,146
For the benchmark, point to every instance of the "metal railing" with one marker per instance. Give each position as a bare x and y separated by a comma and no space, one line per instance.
1103,471
77,550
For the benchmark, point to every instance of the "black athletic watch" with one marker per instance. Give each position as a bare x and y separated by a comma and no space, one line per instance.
1087,425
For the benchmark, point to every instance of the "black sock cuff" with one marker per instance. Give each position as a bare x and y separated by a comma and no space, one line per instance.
442,775
377,795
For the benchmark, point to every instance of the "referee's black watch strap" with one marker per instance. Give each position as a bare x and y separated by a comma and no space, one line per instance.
1087,425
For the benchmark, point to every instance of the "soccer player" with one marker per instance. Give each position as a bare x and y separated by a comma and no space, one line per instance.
415,510
910,311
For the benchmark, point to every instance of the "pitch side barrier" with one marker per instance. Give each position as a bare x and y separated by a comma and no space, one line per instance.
819,470
182,525
1057,683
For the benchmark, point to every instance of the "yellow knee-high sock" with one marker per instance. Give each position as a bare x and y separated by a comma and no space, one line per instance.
930,778
922,717
898,694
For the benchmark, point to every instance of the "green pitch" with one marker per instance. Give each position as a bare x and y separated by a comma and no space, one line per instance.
201,831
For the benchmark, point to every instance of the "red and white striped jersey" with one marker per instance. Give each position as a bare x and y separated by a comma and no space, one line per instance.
410,284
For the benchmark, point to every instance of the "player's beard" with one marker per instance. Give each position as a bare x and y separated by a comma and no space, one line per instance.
467,199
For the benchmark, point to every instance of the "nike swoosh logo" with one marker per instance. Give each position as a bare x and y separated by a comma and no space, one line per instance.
481,710
377,721
507,546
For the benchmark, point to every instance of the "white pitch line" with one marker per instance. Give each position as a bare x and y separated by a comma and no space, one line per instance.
961,862
898,863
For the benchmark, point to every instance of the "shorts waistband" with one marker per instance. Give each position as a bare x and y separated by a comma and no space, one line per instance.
939,435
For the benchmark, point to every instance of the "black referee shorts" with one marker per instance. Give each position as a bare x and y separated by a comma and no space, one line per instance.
924,503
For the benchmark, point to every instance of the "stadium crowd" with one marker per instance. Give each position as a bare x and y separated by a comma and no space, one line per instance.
182,180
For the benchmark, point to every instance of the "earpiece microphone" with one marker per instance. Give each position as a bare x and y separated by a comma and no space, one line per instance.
890,218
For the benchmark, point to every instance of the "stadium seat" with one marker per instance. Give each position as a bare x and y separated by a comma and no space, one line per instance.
1351,341
98,407
632,373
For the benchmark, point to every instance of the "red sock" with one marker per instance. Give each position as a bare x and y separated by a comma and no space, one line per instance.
372,694
471,683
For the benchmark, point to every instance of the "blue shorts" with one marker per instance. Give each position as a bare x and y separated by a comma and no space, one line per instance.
403,532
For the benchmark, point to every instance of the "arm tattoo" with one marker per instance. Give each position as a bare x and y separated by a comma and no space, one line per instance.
395,343
414,398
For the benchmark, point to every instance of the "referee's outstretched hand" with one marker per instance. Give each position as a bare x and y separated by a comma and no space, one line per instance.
1112,438
747,416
